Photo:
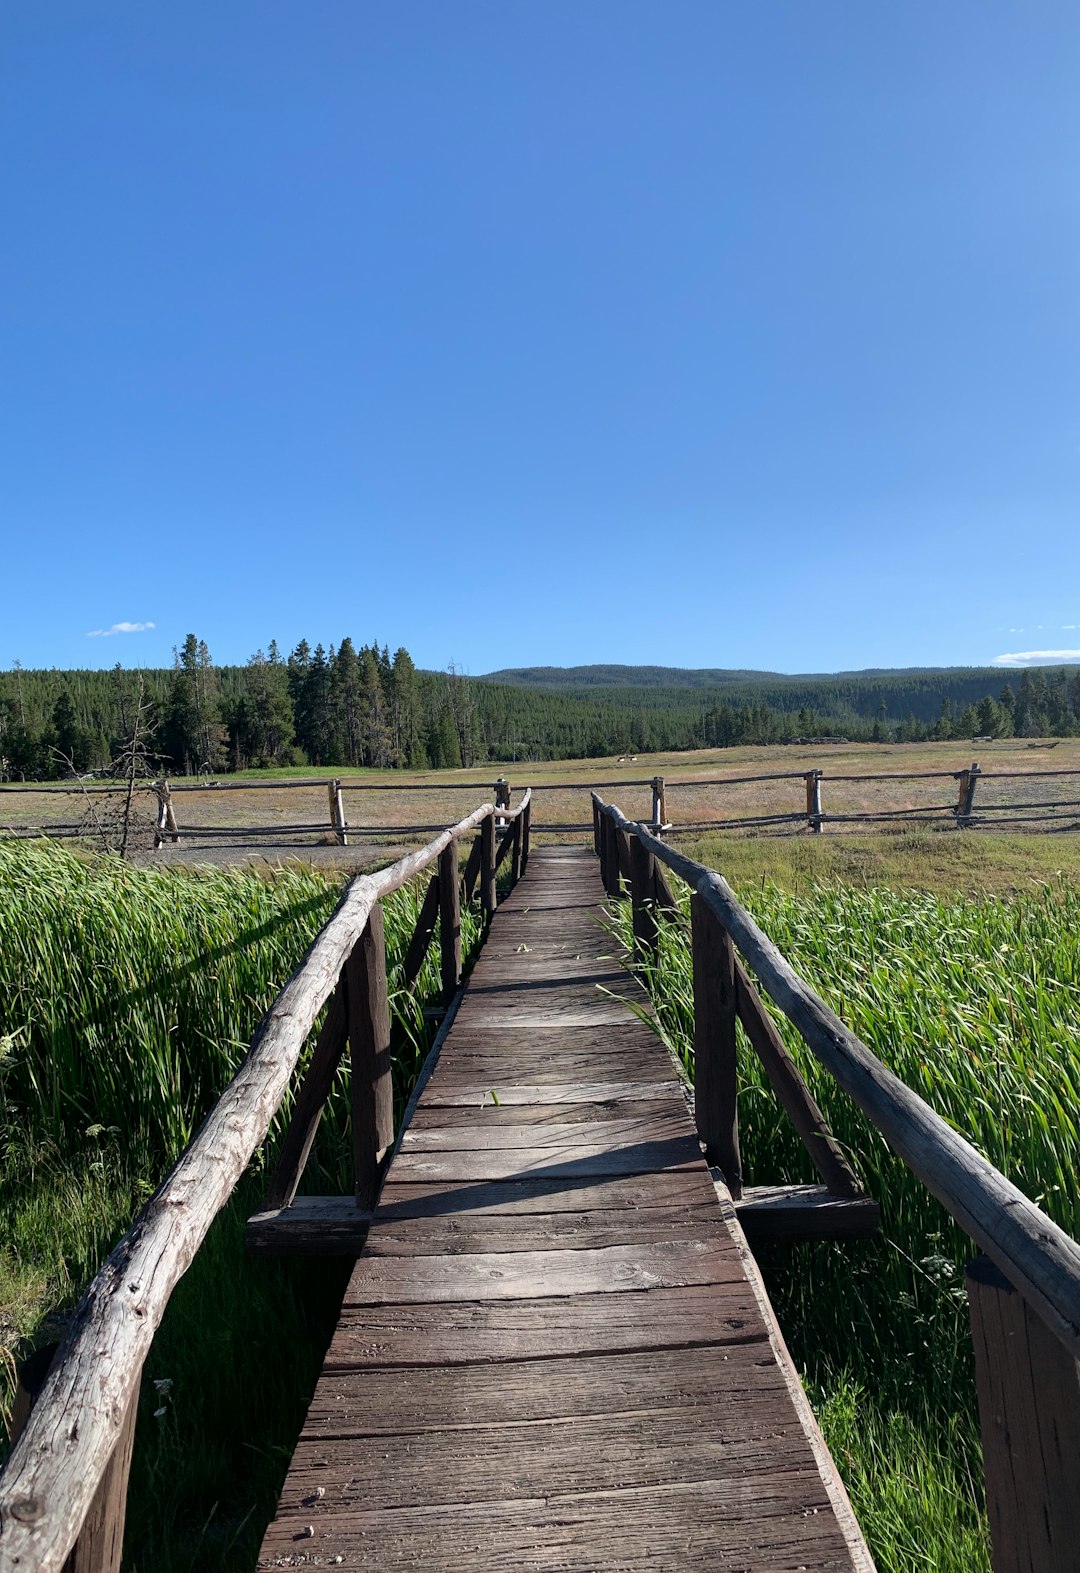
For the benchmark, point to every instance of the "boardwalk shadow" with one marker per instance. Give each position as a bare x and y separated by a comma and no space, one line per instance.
665,1156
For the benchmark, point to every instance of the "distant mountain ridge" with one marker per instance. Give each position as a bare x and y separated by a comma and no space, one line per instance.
615,676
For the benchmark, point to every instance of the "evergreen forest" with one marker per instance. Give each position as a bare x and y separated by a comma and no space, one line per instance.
349,706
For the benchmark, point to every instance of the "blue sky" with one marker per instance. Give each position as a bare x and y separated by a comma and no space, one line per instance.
699,332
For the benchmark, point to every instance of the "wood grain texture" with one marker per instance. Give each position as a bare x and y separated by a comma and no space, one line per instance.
548,1355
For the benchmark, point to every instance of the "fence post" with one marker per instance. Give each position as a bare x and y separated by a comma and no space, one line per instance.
609,855
101,1538
659,805
596,829
339,814
369,1045
449,919
642,876
813,801
488,898
162,819
715,1066
502,800
1029,1413
968,780
622,858
526,829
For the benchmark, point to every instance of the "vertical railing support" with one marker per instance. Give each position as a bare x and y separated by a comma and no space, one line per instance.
339,815
622,857
449,919
526,829
1029,1413
642,886
813,801
609,855
369,1044
596,827
515,851
716,1066
101,1538
488,897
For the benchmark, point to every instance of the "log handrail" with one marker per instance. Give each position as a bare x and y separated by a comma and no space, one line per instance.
1038,1257
60,1457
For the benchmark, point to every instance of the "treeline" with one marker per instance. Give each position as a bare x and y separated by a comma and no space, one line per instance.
350,705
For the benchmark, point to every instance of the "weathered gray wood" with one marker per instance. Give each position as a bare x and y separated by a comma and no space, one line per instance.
307,1112
813,801
449,897
369,1045
310,1226
472,868
804,1212
488,897
642,883
515,857
966,798
426,920
526,831
715,1053
1037,1256
1029,1409
622,854
101,1538
825,1151
596,825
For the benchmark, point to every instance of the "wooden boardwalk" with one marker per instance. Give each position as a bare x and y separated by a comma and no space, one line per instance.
554,1352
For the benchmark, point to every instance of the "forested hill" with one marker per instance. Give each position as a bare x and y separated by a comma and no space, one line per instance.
357,705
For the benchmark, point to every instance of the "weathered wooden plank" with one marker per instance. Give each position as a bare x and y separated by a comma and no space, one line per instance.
805,1212
531,1275
633,1193
466,1091
569,1162
374,1401
513,1136
443,1117
449,921
480,1331
543,1458
762,1522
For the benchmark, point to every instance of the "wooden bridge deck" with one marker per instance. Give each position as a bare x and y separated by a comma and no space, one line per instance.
554,1353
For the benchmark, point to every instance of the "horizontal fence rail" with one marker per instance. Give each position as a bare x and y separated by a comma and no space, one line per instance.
1024,1293
85,1408
675,808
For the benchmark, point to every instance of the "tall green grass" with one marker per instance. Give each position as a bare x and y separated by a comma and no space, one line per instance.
128,999
974,1003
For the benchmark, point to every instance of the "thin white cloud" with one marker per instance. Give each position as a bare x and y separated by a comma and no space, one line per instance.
1036,657
119,628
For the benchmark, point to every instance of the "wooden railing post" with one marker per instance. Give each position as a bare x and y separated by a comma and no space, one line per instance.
449,919
526,829
659,805
596,828
339,815
611,858
813,801
642,886
101,1539
515,852
369,1044
488,897
622,858
1029,1413
716,1067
